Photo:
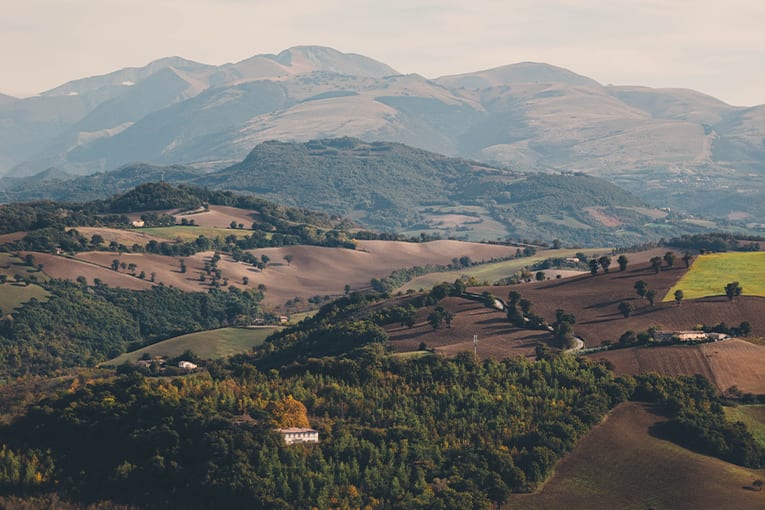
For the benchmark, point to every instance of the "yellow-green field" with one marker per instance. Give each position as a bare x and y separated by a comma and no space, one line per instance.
751,416
493,272
13,295
191,233
710,273
214,344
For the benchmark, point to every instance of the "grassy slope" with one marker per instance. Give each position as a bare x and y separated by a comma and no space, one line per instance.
752,416
495,271
710,273
214,344
191,233
13,295
621,465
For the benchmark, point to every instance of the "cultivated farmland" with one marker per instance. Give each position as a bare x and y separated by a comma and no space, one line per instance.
496,336
620,464
728,363
710,273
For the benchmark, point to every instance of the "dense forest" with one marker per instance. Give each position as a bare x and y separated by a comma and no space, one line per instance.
81,325
394,433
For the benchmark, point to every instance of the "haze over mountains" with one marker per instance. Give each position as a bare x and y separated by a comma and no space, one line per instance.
677,148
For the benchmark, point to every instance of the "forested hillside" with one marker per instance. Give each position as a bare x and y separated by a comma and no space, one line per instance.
393,187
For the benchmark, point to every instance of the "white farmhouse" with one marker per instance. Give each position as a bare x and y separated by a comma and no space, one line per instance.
295,435
187,365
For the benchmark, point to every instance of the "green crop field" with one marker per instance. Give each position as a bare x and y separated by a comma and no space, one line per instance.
751,416
495,271
191,233
214,344
710,273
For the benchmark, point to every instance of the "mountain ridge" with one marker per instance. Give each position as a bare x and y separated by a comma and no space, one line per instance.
671,146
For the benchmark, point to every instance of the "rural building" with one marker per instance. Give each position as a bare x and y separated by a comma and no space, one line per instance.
690,336
137,223
295,435
187,365
283,319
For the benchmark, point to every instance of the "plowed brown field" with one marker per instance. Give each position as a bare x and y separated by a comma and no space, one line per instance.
496,337
729,363
594,302
620,464
313,270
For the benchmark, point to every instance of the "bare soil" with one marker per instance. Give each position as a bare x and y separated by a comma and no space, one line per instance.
728,363
496,337
594,302
621,464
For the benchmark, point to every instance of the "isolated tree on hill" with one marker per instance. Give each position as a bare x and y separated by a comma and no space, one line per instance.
678,296
669,258
605,262
183,266
115,264
626,308
687,259
245,280
732,290
435,318
622,261
81,280
232,224
656,264
29,259
628,338
593,267
650,295
540,276
525,305
96,240
641,287
745,328
289,259
513,297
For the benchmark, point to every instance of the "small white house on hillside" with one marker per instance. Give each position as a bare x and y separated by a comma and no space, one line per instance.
295,435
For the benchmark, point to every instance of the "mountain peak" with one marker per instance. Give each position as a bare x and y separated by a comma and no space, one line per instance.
322,58
522,72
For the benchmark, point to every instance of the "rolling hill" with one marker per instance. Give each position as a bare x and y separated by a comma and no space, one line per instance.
395,187
674,147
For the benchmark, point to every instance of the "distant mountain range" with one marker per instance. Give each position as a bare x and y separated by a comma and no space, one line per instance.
673,147
396,188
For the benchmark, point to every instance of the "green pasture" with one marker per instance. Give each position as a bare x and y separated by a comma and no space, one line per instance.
189,233
13,295
751,416
710,273
213,344
495,271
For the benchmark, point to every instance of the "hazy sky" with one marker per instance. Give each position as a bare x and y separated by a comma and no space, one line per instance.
714,46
